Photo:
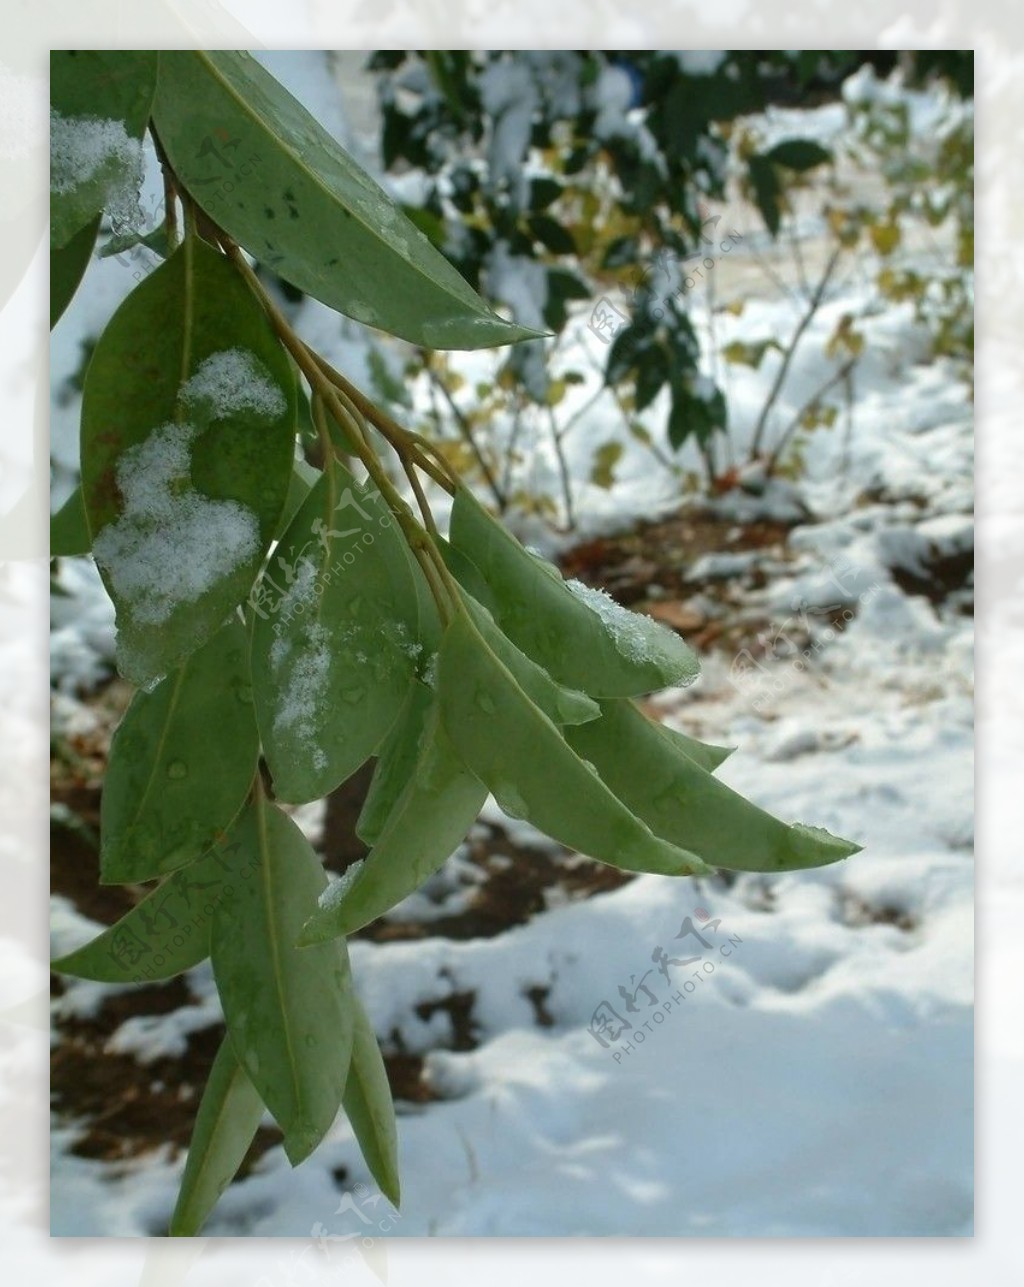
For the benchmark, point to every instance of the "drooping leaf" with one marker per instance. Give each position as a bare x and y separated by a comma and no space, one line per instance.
99,105
582,638
703,754
304,478
229,1116
560,704
399,752
649,771
289,1010
396,762
188,418
428,817
69,529
67,268
181,763
164,935
269,174
468,575
369,1107
532,770
335,638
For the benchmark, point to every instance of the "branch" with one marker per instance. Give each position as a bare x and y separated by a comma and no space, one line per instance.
464,427
839,374
787,357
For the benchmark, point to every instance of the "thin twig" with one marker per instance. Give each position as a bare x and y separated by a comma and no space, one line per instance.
466,430
563,471
421,500
787,357
513,442
401,439
838,375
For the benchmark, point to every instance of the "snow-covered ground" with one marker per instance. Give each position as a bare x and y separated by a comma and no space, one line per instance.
810,1072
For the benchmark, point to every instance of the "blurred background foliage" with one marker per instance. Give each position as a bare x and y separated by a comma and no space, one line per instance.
597,186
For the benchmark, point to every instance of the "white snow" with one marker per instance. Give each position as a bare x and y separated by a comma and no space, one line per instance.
302,663
700,62
170,543
338,888
509,95
817,1083
233,382
84,147
628,630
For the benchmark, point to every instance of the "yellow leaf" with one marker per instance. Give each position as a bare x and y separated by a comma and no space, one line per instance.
885,237
607,456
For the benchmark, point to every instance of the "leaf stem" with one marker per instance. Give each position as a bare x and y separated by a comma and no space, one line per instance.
346,405
401,439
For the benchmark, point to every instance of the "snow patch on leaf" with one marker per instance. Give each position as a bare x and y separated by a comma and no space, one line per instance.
637,638
629,632
84,148
337,889
302,667
170,543
231,382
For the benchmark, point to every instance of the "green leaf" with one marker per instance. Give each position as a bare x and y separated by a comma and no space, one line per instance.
335,636
703,754
654,776
561,705
426,817
468,575
289,1012
369,1107
154,240
69,530
798,154
67,268
693,416
188,422
304,478
99,106
181,763
532,770
271,176
621,252
543,192
582,638
767,191
553,235
167,933
229,1115
651,375
396,763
